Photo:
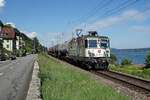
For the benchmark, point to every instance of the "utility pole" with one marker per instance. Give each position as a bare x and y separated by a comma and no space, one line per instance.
85,28
72,29
52,43
34,44
62,36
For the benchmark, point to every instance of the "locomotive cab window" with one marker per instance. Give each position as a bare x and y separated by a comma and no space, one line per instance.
92,43
104,43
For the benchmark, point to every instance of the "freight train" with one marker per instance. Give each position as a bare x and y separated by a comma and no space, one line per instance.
91,51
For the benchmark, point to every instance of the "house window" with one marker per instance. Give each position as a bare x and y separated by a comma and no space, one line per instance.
7,41
7,46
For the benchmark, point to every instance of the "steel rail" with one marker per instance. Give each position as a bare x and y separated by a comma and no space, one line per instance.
128,79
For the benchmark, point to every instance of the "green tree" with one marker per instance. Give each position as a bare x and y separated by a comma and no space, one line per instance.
148,59
113,58
1,46
126,61
17,32
36,43
1,23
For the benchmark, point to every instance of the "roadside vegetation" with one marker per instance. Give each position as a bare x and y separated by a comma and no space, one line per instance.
126,61
113,58
133,69
62,83
147,61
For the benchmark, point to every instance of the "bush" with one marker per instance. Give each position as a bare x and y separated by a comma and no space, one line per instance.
126,61
7,57
113,58
148,59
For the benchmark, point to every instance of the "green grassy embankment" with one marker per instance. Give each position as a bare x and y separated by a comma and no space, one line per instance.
62,83
131,69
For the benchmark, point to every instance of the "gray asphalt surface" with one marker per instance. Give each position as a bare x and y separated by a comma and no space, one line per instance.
15,77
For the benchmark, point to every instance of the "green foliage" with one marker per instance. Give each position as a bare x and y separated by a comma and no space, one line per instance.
19,52
133,70
1,44
148,59
126,61
4,51
8,57
113,58
1,23
62,83
17,32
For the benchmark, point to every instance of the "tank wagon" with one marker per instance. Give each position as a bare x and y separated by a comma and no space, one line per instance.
90,50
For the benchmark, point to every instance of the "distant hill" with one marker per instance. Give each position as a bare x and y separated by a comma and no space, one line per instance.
131,50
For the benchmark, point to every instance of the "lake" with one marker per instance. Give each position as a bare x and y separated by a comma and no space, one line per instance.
136,57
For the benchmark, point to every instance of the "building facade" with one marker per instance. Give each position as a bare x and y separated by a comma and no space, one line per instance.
9,44
20,44
10,40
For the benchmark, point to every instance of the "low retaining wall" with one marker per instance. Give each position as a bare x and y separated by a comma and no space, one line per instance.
34,88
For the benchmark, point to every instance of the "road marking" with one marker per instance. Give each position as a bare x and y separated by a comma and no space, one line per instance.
1,74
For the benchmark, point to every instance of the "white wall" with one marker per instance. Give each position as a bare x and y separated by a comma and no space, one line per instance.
10,43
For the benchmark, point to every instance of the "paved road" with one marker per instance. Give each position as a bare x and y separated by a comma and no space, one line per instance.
15,76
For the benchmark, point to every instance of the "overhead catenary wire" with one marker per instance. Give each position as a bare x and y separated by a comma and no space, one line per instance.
115,10
101,5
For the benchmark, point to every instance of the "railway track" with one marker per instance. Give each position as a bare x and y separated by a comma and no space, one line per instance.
139,86
134,83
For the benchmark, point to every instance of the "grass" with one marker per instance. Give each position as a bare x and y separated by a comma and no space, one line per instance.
131,69
62,83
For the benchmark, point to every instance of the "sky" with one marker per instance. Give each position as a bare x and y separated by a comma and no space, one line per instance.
125,22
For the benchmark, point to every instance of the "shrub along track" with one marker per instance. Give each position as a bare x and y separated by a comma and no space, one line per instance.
134,83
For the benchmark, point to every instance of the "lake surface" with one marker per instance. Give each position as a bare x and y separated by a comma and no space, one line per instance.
136,57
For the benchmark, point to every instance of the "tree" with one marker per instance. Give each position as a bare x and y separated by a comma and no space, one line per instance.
148,59
126,61
1,45
113,58
1,23
36,43
17,32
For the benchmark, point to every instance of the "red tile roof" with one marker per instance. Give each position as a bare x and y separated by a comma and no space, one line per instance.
7,33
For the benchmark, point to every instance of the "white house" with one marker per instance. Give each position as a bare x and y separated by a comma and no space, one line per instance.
8,37
10,40
20,44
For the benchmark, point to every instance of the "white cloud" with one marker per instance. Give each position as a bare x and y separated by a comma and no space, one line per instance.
31,35
2,3
110,21
141,29
12,24
49,39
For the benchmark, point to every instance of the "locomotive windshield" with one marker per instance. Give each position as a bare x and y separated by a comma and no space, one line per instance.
92,43
104,43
